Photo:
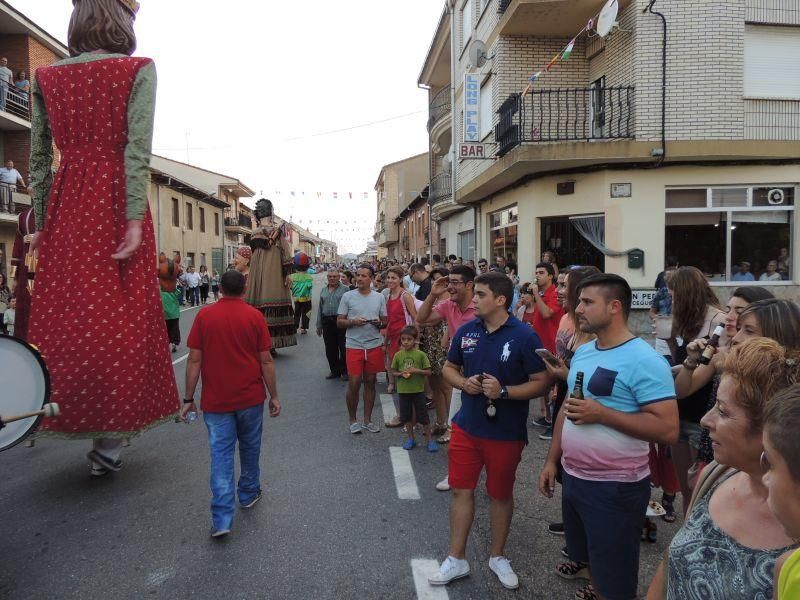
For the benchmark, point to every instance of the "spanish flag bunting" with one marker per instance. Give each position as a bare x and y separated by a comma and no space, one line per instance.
568,50
552,62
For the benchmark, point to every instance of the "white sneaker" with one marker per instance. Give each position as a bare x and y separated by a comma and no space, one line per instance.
371,427
355,427
501,567
450,570
443,485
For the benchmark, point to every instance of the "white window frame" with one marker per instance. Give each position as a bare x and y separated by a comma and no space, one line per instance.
466,23
749,208
770,49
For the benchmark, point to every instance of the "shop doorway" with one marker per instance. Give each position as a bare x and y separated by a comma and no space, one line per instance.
570,247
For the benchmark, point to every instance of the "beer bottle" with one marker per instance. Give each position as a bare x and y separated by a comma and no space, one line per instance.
577,391
711,345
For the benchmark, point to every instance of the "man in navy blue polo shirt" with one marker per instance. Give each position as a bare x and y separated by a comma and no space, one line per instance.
493,361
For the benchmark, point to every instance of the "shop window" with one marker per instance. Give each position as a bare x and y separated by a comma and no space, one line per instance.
749,239
503,233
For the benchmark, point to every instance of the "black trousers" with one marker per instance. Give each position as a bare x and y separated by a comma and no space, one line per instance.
334,339
302,311
174,331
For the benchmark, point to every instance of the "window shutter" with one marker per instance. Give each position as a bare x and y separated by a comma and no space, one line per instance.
771,66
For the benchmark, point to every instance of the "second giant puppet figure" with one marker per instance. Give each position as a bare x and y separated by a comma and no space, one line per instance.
103,341
266,284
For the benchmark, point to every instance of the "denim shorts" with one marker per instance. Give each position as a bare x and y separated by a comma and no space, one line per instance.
602,526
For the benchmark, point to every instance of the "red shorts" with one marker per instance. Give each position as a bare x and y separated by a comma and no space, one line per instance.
467,455
364,361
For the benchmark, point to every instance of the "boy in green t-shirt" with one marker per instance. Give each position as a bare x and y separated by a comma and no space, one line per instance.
301,284
410,366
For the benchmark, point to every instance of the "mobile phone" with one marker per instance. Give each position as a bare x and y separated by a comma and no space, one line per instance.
548,356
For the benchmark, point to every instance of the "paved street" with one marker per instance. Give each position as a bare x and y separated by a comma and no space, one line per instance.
331,524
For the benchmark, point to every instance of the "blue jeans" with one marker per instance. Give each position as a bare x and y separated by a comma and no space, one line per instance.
602,526
194,296
224,429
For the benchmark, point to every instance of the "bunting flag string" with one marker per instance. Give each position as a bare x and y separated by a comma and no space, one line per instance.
562,55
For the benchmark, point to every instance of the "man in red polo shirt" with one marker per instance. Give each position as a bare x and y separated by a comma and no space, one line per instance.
546,317
229,345
548,309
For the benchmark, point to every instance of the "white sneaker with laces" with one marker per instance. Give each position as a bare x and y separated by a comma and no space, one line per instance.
371,427
450,570
501,567
443,485
355,427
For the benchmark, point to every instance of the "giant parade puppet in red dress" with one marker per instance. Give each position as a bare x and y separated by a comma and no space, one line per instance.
103,335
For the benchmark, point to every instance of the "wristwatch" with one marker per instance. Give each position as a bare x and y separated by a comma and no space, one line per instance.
188,400
503,393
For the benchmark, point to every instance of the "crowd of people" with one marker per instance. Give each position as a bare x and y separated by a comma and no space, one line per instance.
712,422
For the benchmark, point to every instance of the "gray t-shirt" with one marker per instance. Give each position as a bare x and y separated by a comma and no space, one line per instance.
6,76
354,304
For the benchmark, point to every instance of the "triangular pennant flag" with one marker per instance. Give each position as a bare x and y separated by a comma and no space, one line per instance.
552,62
568,50
535,76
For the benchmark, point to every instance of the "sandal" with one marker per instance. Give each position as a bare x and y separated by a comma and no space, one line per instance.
395,422
438,429
445,437
668,502
573,570
586,593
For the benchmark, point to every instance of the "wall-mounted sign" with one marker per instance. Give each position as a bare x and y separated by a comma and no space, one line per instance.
621,190
472,107
471,150
642,298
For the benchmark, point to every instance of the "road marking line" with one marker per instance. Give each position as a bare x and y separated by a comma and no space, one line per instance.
422,568
387,406
181,359
404,478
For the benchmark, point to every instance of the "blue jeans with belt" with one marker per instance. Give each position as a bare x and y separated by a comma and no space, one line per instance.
224,429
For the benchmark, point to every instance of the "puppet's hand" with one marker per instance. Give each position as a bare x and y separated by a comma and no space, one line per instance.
132,241
35,241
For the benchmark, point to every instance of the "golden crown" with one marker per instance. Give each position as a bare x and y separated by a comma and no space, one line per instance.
131,5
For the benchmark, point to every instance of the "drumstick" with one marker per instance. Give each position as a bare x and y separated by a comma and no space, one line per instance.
48,410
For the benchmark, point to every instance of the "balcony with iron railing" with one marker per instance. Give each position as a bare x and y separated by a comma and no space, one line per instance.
439,108
238,223
565,115
559,129
12,202
16,104
440,196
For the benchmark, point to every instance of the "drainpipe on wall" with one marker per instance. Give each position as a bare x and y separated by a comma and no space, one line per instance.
453,69
661,153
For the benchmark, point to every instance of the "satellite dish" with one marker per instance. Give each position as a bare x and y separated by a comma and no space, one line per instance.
477,53
607,18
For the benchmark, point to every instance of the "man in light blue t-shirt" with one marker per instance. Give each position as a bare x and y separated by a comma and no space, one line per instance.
602,440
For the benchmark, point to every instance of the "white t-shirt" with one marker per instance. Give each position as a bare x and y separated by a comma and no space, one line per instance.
6,75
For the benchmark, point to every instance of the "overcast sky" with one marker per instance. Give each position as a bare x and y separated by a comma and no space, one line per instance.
254,86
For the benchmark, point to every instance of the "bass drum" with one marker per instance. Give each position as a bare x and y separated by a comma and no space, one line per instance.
24,388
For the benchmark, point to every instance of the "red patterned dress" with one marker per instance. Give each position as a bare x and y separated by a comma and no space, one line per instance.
97,321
